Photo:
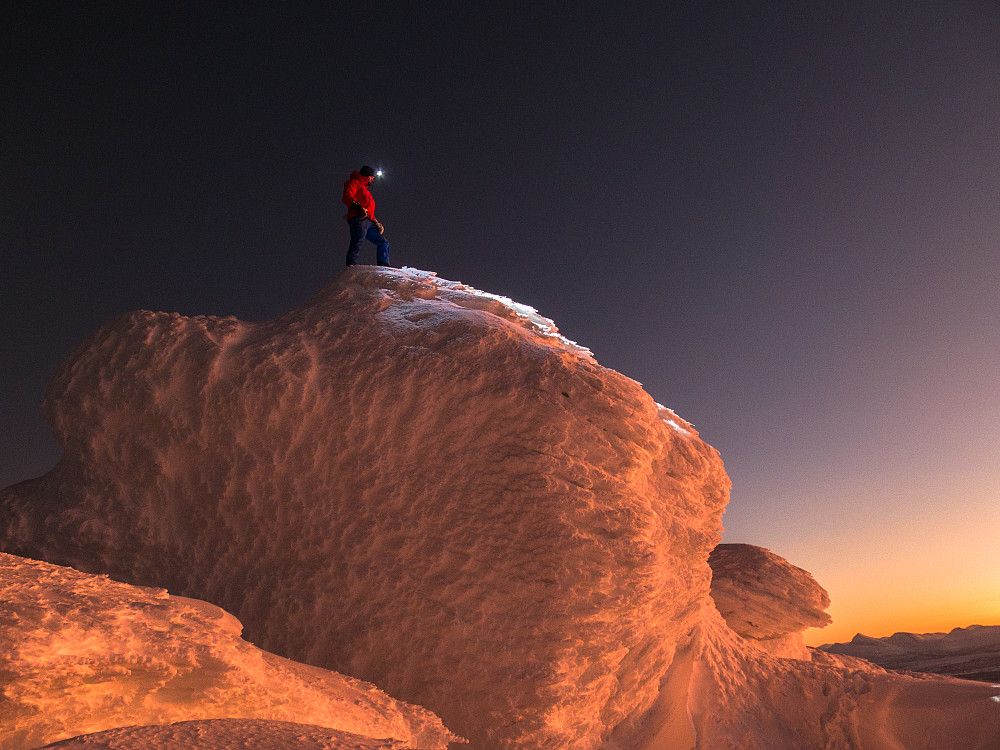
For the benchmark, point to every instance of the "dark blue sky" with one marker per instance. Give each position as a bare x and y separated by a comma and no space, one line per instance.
782,221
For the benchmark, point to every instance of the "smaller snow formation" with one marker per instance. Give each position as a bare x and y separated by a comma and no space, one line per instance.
972,653
81,653
766,599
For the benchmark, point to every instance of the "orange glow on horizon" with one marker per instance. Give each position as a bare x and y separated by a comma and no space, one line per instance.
886,623
898,553
938,602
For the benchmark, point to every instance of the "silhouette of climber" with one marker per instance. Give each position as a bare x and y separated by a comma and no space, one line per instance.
361,217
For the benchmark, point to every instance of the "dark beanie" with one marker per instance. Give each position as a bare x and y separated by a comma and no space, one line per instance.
367,171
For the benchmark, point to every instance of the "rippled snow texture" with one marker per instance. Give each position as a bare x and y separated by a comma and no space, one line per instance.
228,734
745,699
81,653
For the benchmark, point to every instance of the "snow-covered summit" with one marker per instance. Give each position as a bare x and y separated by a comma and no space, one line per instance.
409,284
426,487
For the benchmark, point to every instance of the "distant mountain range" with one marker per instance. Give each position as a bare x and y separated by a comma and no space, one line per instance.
971,653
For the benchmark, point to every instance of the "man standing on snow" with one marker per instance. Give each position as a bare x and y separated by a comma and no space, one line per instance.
361,217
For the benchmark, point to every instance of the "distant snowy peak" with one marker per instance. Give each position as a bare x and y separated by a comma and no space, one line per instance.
958,639
972,653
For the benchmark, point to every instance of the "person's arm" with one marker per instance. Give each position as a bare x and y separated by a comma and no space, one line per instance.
350,198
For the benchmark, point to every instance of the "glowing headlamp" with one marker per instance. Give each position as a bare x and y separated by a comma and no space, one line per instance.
379,173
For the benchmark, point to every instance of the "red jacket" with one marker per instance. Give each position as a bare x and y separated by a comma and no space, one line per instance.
355,190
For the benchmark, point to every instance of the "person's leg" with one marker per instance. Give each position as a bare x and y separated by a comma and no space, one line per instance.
359,227
381,245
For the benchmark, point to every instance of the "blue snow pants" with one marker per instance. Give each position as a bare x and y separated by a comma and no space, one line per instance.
361,230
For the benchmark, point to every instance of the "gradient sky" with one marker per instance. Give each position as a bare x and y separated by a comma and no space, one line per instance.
782,222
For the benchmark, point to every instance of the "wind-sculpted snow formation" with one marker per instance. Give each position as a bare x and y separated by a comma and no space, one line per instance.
405,481
765,598
428,488
80,653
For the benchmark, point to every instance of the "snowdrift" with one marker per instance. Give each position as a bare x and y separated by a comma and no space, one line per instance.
80,653
743,698
428,488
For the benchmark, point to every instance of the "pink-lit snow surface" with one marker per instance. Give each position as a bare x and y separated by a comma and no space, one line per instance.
227,734
80,653
426,487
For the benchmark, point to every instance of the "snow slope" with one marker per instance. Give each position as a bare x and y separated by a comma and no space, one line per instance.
427,487
81,653
745,699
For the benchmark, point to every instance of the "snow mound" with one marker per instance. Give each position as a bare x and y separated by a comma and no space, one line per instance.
228,734
765,598
80,653
405,480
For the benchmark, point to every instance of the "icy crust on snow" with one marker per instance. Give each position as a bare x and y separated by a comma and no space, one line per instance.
404,480
462,295
80,653
413,288
228,734
765,598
